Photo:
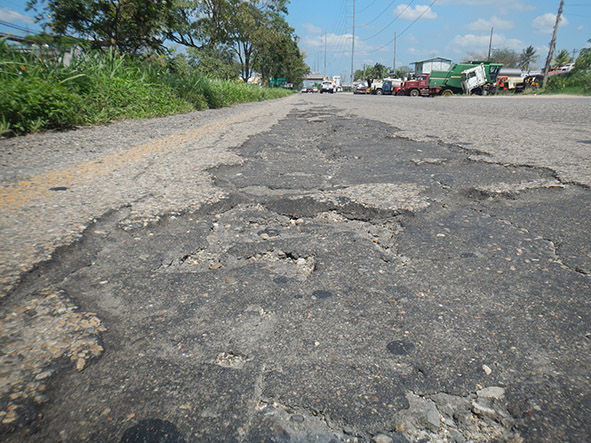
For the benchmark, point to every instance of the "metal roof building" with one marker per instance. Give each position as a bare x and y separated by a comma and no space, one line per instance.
432,64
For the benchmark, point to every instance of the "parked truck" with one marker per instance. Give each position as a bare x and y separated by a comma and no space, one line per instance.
387,86
469,78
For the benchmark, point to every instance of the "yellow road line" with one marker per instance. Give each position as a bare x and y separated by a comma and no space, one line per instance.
19,194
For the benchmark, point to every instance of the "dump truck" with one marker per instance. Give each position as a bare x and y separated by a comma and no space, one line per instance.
468,78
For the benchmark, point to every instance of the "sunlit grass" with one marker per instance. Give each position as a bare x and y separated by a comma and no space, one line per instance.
38,92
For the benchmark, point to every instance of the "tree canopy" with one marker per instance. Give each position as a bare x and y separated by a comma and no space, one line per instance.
229,38
130,26
528,55
562,58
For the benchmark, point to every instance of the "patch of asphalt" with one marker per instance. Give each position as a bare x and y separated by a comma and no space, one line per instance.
55,184
346,289
542,131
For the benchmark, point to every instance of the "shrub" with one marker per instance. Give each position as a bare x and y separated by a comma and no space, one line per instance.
30,104
579,80
37,91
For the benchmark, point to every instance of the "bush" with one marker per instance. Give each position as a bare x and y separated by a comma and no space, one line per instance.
30,104
38,92
125,98
579,80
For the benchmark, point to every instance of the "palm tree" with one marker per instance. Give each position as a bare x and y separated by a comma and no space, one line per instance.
528,55
561,59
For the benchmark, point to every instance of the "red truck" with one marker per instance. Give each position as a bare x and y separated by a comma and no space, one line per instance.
467,78
416,87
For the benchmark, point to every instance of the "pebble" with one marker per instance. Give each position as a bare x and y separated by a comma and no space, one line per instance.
297,418
382,439
487,369
495,392
43,375
482,410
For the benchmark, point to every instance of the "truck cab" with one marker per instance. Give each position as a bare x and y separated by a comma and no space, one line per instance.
415,87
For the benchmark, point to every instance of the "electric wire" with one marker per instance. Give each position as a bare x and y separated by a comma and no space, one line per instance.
392,22
367,7
408,27
13,26
381,13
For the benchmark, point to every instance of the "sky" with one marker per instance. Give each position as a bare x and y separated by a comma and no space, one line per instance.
454,29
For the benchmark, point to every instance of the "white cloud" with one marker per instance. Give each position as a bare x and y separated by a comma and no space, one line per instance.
544,24
339,43
312,29
10,16
471,42
494,22
407,13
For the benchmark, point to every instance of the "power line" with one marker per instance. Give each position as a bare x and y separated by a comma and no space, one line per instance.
390,24
408,27
381,13
367,7
13,26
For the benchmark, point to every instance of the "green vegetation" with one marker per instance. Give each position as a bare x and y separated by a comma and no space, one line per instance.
38,92
124,69
230,38
578,82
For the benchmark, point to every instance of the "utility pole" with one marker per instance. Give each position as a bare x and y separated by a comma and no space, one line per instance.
552,44
324,73
394,61
489,44
353,45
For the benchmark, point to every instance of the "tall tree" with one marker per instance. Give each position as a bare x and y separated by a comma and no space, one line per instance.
249,30
198,23
528,55
256,30
130,26
278,55
508,57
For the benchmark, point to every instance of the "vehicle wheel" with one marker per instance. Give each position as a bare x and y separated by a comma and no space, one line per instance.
447,93
379,92
414,93
400,93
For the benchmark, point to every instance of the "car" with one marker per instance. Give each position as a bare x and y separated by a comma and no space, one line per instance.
360,89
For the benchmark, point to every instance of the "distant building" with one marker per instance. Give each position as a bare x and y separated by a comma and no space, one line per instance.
432,64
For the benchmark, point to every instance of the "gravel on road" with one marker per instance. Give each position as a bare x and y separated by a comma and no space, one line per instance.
67,195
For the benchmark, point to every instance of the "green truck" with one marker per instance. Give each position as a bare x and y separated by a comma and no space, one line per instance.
470,78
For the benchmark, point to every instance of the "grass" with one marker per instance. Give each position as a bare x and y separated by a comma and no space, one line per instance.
578,82
38,92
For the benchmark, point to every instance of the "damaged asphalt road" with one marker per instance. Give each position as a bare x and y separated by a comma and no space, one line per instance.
352,285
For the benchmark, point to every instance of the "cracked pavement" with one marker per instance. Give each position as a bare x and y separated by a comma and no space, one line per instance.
346,283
